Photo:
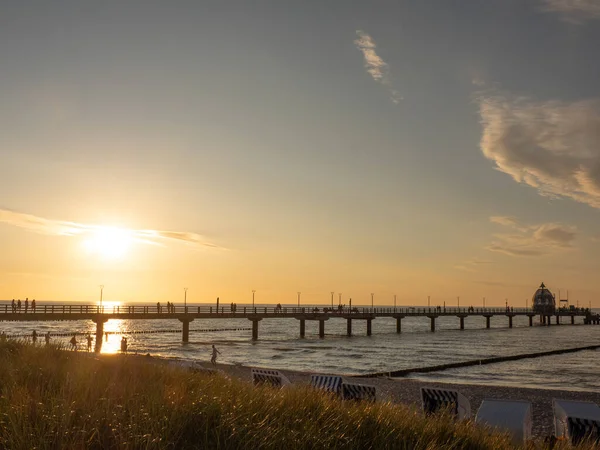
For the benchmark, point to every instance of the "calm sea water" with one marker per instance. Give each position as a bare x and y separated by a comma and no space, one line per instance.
279,346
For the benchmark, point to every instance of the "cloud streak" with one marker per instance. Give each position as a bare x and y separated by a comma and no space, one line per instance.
64,228
551,146
376,67
574,11
531,240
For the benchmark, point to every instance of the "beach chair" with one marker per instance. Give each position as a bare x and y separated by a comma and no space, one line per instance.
513,416
576,420
271,377
329,383
352,391
436,399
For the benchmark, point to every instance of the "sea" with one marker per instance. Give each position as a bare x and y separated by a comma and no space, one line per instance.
279,346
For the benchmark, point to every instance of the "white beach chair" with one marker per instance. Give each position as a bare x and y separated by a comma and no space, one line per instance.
513,416
353,391
435,399
329,383
267,376
576,420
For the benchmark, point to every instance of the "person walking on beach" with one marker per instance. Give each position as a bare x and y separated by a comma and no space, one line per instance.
33,305
124,345
34,337
213,358
47,338
89,339
73,343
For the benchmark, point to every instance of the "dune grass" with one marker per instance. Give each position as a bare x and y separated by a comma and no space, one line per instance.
55,399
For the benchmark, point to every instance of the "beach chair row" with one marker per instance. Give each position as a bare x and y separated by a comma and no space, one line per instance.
328,383
573,420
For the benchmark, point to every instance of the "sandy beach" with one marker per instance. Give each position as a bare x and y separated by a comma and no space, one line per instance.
407,391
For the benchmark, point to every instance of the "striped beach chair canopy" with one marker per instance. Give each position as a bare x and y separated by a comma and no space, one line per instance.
353,391
513,416
576,420
329,383
270,377
436,399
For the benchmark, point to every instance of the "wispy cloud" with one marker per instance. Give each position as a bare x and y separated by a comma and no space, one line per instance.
531,240
64,228
552,146
376,67
574,11
472,264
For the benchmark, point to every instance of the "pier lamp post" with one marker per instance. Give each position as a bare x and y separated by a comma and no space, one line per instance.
185,299
299,299
394,301
506,302
372,300
101,289
253,292
429,301
332,299
340,298
458,300
483,302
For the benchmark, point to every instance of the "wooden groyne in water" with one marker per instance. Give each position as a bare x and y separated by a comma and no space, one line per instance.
476,362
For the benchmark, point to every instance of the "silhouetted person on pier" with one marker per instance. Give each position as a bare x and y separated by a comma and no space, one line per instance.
19,305
123,345
168,307
34,337
26,304
89,339
13,305
47,337
73,343
33,305
158,307
213,358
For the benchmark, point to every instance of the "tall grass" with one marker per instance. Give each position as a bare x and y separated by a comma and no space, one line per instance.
55,399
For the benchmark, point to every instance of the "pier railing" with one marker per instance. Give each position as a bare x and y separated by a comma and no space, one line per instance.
269,310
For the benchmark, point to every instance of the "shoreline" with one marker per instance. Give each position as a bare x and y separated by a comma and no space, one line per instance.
407,391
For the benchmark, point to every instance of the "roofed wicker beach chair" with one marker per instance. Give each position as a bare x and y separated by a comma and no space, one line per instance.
353,391
436,399
513,416
576,420
270,377
328,383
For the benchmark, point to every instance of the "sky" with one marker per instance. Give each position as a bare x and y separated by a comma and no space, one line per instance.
441,149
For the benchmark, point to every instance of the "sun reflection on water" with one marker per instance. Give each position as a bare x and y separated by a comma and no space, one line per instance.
115,328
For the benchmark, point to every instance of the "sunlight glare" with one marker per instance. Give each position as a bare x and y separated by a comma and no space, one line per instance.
109,242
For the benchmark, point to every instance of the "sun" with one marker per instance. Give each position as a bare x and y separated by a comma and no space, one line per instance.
109,242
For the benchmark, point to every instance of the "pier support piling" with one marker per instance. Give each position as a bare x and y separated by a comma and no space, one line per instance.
530,321
510,321
548,320
462,322
349,327
368,327
487,321
99,333
398,325
572,320
557,319
255,329
186,329
321,329
432,318
302,328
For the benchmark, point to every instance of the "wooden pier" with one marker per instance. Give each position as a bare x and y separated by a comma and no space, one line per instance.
100,315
